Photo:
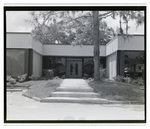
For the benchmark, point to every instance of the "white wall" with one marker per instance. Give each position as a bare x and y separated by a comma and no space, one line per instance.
132,43
70,50
18,40
112,46
111,65
37,64
37,46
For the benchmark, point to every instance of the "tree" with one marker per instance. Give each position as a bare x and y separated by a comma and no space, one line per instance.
96,44
74,27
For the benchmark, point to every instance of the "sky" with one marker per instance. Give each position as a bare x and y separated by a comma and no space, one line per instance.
15,22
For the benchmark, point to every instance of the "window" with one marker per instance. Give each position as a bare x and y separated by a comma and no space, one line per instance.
76,66
134,64
15,62
58,64
71,69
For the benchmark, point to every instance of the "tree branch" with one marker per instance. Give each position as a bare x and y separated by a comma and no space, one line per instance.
101,16
78,18
105,14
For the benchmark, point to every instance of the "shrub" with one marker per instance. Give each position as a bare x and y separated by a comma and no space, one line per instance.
102,73
118,78
8,78
22,78
139,81
48,74
127,79
12,81
34,77
56,77
63,77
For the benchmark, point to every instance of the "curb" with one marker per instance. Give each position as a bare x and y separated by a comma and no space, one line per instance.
34,98
109,102
14,90
125,102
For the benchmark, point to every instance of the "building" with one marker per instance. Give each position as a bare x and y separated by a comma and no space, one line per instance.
119,57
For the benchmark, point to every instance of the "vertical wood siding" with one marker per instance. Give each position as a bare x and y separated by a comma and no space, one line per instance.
15,40
37,64
132,43
70,50
111,65
112,46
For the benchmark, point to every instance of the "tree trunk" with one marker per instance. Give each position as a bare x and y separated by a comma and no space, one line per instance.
96,45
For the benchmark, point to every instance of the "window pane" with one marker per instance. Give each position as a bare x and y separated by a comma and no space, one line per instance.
76,68
15,62
88,67
71,69
134,64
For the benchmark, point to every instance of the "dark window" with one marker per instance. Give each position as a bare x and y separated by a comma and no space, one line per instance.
58,64
15,62
134,64
71,69
76,68
88,67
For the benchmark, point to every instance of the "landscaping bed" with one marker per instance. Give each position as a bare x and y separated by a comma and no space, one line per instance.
42,88
118,91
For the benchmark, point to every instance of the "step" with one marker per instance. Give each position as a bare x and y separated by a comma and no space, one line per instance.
75,94
72,89
74,100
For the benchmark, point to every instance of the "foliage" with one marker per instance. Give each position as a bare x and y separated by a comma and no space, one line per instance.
34,77
127,79
42,89
116,91
75,27
8,78
118,78
12,81
139,81
68,28
103,73
22,78
47,74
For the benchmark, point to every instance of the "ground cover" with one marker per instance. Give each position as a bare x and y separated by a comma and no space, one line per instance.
118,91
42,89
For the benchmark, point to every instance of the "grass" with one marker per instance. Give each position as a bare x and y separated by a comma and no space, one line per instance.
42,89
118,91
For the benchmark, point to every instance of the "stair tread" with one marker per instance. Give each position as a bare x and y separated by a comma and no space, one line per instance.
69,98
67,87
90,93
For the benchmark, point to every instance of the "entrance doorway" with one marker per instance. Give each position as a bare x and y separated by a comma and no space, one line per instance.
74,68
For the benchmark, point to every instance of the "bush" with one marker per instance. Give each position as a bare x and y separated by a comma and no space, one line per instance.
118,78
22,78
12,81
8,78
102,73
34,77
139,81
127,79
48,74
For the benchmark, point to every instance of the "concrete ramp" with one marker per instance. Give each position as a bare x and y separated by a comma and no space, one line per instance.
74,91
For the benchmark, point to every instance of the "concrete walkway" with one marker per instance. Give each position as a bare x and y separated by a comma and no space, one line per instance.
74,91
23,108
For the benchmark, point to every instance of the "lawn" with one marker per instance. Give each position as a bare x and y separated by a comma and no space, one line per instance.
118,91
42,89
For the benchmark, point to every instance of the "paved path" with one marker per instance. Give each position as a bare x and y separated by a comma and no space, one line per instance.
74,91
23,108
